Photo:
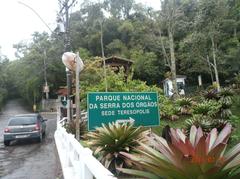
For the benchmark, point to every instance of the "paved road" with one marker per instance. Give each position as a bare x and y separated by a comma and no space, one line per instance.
28,160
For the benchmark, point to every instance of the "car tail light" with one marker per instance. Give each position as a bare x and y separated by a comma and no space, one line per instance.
6,130
37,127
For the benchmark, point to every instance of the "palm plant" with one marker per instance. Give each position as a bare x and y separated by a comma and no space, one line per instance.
198,156
184,105
109,140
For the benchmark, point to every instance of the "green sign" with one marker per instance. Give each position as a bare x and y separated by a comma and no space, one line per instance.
140,108
63,101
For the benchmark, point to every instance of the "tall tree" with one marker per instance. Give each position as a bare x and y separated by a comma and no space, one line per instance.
170,14
119,9
210,17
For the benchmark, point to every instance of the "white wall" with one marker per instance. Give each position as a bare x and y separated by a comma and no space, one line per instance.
170,85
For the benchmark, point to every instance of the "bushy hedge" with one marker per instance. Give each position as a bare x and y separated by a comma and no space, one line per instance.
115,82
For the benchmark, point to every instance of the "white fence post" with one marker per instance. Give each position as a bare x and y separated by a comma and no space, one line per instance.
77,162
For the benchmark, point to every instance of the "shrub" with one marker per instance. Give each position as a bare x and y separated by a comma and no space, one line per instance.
210,108
117,82
168,108
226,102
205,122
71,128
184,105
219,124
3,96
211,94
198,156
109,140
237,79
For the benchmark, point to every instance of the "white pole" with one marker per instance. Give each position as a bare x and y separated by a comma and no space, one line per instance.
200,80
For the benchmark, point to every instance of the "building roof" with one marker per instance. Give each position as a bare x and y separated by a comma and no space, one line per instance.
178,76
62,91
120,60
182,76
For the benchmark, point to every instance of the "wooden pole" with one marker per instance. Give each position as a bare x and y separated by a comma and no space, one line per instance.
77,99
103,57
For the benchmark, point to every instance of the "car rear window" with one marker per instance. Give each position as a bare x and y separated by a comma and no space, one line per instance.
22,121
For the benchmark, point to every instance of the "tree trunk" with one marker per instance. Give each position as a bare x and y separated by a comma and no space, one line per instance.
166,59
210,68
103,57
235,32
173,64
215,64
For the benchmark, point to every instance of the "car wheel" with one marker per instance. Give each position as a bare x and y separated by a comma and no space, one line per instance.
7,142
40,138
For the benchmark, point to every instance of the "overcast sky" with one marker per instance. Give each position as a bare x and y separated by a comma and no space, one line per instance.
18,22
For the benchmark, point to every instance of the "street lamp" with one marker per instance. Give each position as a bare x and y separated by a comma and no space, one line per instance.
35,12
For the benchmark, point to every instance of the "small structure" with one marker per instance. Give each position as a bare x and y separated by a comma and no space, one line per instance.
62,99
168,86
117,62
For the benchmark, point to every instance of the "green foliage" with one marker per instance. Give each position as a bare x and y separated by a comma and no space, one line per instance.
116,47
205,122
3,80
184,105
167,107
146,66
71,128
115,82
26,75
236,105
237,79
211,94
226,96
198,156
219,124
210,108
3,96
226,102
109,140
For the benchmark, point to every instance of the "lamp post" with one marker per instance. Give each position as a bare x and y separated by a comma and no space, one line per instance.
66,5
46,87
35,12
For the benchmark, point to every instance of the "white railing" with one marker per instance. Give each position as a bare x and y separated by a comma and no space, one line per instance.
77,162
